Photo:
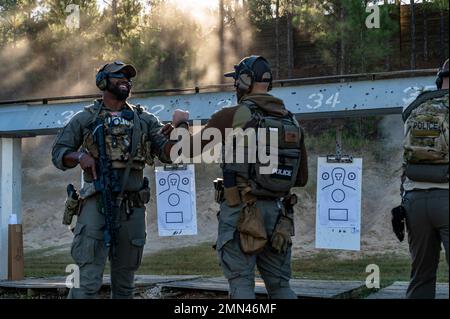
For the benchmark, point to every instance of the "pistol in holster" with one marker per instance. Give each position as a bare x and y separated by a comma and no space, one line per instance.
398,221
144,193
289,203
72,205
218,190
231,191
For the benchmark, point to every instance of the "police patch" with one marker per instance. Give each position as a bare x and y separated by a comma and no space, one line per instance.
283,172
425,129
291,136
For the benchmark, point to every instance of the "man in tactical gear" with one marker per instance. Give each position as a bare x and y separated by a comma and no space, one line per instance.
112,141
425,185
256,210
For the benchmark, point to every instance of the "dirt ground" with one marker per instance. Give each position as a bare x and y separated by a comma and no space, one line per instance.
44,186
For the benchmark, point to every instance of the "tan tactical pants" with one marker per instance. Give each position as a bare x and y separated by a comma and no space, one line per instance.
90,253
239,268
427,222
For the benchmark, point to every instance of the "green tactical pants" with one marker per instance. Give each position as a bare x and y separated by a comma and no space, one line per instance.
427,222
90,253
239,268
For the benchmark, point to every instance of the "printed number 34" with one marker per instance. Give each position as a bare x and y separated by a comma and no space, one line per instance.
333,100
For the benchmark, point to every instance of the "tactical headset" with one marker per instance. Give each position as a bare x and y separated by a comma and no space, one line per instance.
245,77
441,74
101,79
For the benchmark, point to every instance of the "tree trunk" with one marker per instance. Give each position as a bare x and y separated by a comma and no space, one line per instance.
14,33
413,35
400,38
425,32
221,41
114,26
362,42
277,39
387,61
342,43
442,34
290,42
237,29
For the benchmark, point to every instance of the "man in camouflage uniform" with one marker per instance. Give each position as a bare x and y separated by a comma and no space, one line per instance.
425,185
253,79
130,132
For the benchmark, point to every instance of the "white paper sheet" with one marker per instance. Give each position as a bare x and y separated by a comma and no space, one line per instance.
338,207
175,201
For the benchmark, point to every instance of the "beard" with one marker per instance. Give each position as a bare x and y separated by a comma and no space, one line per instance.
240,94
119,93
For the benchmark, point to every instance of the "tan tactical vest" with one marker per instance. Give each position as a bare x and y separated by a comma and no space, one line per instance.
119,132
426,143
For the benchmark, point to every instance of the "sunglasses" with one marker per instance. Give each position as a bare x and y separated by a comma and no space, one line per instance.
118,76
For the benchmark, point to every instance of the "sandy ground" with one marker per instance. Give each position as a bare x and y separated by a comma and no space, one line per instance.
44,194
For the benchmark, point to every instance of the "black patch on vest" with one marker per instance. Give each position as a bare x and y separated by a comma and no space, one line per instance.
283,172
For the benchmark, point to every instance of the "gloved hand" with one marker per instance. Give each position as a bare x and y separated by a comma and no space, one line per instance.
166,130
281,237
398,222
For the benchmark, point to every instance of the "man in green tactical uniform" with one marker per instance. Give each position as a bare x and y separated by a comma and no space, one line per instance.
256,209
132,138
425,186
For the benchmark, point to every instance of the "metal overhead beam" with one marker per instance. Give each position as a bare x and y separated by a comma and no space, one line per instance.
309,98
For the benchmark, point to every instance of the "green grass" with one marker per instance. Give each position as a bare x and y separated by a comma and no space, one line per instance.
202,260
196,260
39,264
392,268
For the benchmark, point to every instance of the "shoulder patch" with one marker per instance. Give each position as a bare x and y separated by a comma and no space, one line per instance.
241,116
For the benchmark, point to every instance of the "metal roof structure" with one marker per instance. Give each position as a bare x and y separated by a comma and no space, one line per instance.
332,96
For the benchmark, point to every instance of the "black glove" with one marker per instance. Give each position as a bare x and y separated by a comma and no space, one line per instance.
398,222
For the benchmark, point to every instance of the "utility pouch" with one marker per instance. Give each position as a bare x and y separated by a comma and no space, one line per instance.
144,193
219,196
219,190
252,232
232,196
71,206
434,173
398,222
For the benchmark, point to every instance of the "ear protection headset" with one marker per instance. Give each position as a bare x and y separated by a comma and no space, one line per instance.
245,77
101,79
441,74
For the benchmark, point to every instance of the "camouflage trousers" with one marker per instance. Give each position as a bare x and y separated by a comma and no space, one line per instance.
239,268
90,253
427,222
